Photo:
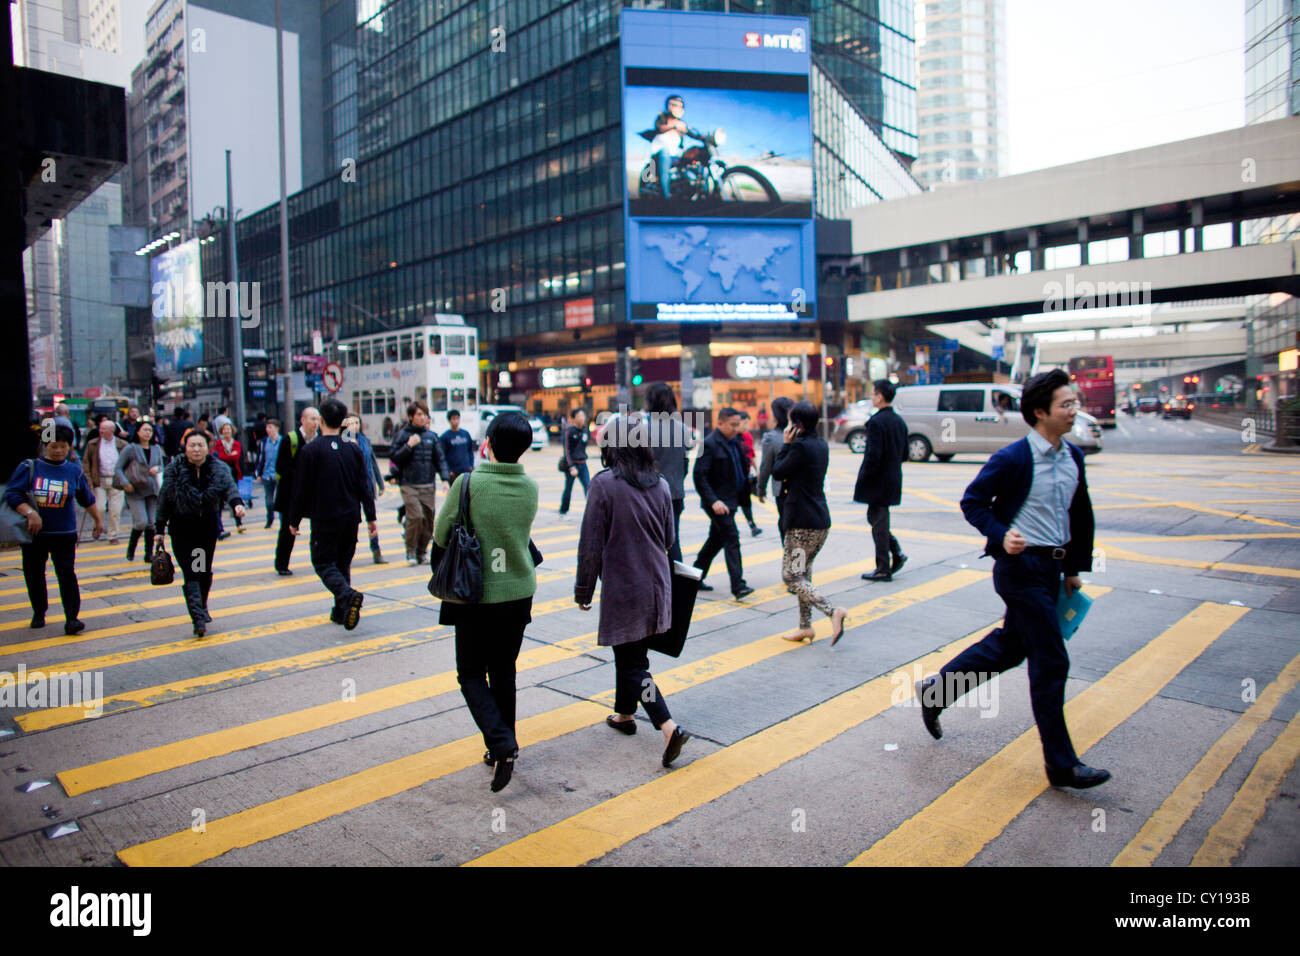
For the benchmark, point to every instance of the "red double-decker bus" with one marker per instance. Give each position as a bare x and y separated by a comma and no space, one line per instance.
1093,377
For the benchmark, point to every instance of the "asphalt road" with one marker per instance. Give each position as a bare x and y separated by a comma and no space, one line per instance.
282,739
1176,436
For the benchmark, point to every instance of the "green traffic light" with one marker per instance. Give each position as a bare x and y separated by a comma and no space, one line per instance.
636,379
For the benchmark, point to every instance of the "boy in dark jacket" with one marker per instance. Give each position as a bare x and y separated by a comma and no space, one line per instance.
457,446
333,481
52,524
1031,503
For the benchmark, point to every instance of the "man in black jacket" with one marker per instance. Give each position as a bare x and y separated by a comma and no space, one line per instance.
880,479
1031,504
719,473
173,430
575,457
332,481
286,471
417,451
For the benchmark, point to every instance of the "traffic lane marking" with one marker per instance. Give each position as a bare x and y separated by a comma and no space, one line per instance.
957,825
1125,555
1163,825
287,814
46,718
1227,837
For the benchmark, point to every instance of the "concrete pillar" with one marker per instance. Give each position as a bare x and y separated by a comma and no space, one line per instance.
1037,258
1198,225
1083,242
1137,230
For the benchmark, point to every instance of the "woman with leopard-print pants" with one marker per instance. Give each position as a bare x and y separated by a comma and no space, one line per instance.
801,468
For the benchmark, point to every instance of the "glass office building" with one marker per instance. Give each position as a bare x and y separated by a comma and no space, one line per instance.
1272,92
478,150
962,75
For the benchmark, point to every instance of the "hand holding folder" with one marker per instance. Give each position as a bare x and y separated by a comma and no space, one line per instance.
1071,609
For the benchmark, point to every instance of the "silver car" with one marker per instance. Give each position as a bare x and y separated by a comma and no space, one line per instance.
948,420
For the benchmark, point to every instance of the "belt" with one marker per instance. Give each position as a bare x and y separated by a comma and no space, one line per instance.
1046,551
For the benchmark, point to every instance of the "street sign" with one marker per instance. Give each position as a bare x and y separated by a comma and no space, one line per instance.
332,377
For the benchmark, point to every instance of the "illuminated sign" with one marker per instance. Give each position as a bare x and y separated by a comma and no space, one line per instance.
762,366
718,168
562,377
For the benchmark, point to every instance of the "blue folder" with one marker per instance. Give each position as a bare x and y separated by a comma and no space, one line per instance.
1071,610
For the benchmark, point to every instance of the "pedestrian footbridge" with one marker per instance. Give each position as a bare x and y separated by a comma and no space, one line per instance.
1197,219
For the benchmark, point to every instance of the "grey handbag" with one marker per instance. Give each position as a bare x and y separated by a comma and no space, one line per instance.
13,526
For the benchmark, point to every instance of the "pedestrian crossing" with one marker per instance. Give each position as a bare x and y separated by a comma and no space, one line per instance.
250,726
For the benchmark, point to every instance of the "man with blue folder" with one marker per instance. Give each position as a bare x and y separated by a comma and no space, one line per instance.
1031,503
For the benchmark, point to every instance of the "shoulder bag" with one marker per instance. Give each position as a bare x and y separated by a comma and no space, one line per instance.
458,574
13,526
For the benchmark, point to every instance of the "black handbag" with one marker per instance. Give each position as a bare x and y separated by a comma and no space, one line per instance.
686,580
564,466
161,570
458,575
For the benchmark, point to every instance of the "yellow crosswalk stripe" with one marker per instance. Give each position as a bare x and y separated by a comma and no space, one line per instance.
1227,837
1159,831
291,813
953,829
1125,555
167,757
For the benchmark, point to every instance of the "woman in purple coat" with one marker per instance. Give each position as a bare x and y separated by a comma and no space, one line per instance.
627,530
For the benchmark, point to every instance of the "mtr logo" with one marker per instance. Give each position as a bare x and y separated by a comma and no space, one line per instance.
794,42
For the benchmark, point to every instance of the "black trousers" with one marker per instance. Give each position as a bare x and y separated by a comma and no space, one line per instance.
633,684
886,544
283,543
675,553
194,550
62,549
1029,585
723,537
488,638
332,548
746,503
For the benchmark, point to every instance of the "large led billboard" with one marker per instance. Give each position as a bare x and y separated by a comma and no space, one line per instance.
177,289
717,147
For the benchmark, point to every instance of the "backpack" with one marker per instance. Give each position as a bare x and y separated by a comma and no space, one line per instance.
293,447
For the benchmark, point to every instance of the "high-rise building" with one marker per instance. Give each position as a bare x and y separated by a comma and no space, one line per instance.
1272,92
961,90
67,270
206,84
476,152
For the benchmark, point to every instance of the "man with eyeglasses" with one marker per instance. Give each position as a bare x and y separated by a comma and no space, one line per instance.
1031,502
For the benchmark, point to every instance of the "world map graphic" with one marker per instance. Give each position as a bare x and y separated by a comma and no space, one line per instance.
719,263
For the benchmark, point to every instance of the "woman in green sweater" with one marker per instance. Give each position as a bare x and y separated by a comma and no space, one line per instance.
502,506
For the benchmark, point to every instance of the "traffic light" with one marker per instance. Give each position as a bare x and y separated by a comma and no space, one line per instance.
586,386
634,370
796,374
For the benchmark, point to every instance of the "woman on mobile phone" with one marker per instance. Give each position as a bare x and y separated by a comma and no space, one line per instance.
801,467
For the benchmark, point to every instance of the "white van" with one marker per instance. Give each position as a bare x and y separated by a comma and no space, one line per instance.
947,420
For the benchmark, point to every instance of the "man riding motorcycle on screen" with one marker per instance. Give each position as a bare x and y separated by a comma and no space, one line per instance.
667,144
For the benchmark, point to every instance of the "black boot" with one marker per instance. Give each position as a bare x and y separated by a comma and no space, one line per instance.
194,604
130,545
148,545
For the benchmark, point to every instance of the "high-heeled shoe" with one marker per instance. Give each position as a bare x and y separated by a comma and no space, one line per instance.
839,631
622,726
794,637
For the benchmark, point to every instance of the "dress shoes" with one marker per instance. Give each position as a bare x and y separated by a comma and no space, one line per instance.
744,591
504,768
283,572
622,726
930,711
674,748
900,559
878,575
705,587
74,627
1080,776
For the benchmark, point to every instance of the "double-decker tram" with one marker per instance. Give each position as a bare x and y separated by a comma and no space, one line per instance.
436,364
1093,378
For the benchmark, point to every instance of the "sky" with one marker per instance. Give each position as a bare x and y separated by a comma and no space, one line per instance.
1105,76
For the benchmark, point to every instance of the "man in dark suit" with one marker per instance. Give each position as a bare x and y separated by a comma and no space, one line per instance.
286,473
719,474
880,479
1031,503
